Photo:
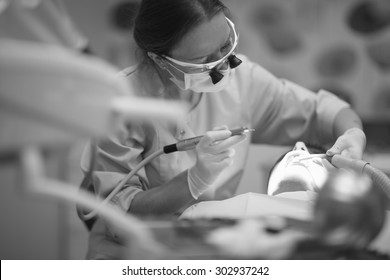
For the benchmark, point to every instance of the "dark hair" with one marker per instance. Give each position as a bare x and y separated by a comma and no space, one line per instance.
122,14
161,24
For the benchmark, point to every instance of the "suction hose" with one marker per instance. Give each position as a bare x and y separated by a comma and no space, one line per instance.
378,177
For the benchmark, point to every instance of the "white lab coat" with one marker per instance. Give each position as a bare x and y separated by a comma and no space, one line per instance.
280,111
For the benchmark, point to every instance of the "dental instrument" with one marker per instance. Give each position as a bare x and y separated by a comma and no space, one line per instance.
190,143
312,156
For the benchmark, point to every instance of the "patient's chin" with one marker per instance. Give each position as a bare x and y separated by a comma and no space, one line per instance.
291,184
295,188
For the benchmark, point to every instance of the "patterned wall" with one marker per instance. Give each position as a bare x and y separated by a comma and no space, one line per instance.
340,45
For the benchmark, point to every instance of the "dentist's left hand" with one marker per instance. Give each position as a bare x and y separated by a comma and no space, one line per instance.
351,144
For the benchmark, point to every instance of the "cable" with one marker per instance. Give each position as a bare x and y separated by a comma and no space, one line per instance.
380,178
360,166
33,171
93,213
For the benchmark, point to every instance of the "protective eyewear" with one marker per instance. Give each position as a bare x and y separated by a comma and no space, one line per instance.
212,67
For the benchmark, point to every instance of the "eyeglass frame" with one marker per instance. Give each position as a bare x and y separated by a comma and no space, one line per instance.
207,67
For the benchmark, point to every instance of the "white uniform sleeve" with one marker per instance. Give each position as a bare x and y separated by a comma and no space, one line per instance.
116,156
283,112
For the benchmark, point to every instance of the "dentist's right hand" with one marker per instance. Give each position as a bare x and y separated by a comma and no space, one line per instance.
214,154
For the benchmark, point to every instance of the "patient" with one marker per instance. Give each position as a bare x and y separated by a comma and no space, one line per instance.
295,178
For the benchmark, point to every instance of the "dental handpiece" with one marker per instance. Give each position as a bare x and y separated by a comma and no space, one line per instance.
190,143
311,156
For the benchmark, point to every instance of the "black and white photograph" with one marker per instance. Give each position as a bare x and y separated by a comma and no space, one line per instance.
225,139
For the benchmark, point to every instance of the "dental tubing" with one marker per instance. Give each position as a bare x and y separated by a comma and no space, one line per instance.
360,166
121,184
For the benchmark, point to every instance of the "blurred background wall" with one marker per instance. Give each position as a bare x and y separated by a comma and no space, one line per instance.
339,45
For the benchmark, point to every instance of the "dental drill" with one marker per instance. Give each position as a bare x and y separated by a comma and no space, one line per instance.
182,145
190,143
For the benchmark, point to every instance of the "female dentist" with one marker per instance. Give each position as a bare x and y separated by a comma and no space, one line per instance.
187,51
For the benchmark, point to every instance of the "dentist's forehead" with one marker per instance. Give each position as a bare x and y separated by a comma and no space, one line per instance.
203,40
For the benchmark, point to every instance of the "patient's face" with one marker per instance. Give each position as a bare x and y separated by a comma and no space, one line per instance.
291,174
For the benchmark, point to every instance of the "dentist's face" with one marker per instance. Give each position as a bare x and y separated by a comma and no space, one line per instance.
291,174
203,60
207,42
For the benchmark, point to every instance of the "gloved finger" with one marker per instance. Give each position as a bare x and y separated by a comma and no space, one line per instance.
346,153
231,152
354,153
223,155
212,136
221,127
337,148
330,167
224,163
228,143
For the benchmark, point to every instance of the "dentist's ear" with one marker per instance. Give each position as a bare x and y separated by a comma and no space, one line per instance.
157,59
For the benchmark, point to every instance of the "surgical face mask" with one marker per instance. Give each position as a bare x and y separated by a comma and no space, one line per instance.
207,77
201,82
291,174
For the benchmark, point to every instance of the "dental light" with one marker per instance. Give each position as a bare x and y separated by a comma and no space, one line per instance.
51,95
